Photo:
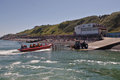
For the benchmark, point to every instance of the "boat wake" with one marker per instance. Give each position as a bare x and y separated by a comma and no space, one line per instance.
15,51
9,52
43,50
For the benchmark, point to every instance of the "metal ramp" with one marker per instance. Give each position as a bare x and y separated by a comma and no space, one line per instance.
104,44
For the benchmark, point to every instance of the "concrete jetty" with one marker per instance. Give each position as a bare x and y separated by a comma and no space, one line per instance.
107,43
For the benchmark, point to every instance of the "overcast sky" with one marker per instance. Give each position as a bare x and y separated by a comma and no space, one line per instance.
19,15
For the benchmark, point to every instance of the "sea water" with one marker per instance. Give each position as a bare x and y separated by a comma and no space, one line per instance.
63,64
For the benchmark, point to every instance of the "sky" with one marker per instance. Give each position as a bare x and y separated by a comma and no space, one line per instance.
19,15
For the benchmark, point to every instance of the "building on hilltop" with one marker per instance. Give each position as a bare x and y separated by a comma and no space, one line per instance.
91,29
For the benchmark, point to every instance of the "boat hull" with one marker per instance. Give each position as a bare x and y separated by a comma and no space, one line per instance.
35,48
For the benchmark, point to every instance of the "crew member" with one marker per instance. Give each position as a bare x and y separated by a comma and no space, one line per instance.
25,46
34,45
31,46
38,45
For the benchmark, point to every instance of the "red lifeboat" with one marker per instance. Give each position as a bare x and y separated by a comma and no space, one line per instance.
35,48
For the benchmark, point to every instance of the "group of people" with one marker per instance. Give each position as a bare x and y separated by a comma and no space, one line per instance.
31,46
34,45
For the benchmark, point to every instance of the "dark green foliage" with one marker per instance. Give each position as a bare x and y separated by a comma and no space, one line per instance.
81,21
63,25
112,22
37,31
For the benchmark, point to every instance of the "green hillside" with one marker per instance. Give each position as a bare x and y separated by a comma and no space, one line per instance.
112,22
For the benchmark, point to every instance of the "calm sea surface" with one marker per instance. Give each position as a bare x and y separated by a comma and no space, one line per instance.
57,65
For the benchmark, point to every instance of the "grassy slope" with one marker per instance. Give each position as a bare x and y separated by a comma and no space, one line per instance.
111,21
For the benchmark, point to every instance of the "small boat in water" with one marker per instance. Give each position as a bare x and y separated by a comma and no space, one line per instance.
35,48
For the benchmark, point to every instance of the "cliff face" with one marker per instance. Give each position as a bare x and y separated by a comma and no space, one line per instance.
112,22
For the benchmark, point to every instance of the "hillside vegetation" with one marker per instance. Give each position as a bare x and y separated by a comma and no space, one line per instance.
112,22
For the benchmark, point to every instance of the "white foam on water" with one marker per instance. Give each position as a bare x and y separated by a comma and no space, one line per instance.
39,67
33,67
98,62
51,69
77,71
16,63
8,74
34,61
43,50
46,78
10,52
69,69
11,74
42,58
72,63
15,51
49,61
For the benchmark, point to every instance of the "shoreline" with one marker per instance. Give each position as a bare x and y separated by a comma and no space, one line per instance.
64,42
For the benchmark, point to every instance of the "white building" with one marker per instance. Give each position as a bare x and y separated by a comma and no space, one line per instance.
90,29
